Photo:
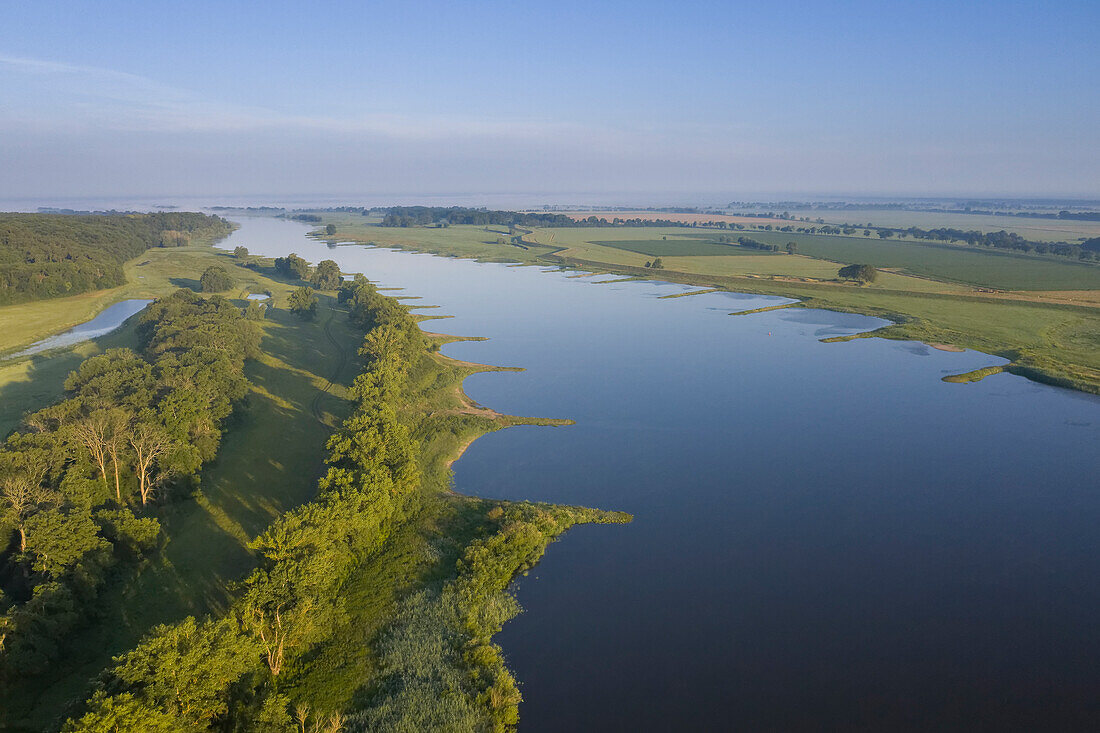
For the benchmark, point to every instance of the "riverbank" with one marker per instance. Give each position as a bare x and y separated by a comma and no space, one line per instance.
1056,343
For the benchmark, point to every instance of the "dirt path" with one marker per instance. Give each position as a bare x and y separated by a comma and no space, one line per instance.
315,404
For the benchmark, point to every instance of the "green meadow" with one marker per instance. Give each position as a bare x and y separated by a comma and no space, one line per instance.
956,263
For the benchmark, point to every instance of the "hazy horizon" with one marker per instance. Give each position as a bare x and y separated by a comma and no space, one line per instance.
647,102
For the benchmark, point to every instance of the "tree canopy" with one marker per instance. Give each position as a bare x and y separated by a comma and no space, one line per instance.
292,266
326,276
303,302
54,255
862,273
215,280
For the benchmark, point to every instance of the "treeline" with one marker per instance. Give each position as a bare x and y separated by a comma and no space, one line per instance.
53,255
753,244
1000,240
78,484
406,216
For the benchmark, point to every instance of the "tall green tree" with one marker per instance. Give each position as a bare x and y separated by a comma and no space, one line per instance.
215,280
326,276
303,302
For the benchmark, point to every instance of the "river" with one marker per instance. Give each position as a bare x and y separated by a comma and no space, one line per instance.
826,536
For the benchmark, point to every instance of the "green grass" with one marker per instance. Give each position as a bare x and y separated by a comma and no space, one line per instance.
959,263
269,461
1035,229
679,247
1046,341
1059,344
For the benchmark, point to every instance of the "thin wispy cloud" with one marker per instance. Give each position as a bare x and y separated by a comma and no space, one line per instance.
62,96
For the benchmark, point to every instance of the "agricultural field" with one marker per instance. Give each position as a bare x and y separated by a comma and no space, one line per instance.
957,263
680,247
1036,229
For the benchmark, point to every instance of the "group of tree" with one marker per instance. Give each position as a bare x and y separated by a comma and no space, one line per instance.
656,264
78,483
406,216
861,273
54,255
1001,240
753,244
222,673
293,267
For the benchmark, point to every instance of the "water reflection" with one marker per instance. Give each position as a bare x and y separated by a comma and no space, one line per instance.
827,536
111,318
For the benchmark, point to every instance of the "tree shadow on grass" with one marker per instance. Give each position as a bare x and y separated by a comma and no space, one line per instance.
186,282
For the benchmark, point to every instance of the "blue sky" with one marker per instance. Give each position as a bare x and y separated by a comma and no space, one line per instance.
646,99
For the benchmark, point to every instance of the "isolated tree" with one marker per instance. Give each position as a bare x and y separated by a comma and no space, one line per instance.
791,248
501,241
658,264
303,302
862,273
330,229
215,280
240,252
326,276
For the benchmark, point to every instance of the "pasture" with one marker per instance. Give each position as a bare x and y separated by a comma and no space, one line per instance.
958,263
1033,228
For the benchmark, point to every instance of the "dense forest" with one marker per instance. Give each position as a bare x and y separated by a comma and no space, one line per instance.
53,255
80,483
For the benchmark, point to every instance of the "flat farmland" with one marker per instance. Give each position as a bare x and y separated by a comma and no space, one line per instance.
680,247
670,216
1033,228
959,263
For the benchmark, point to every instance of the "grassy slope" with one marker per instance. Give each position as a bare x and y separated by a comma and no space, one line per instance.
269,462
1049,342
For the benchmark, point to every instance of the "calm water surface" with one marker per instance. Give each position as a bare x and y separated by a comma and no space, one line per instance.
108,320
827,537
